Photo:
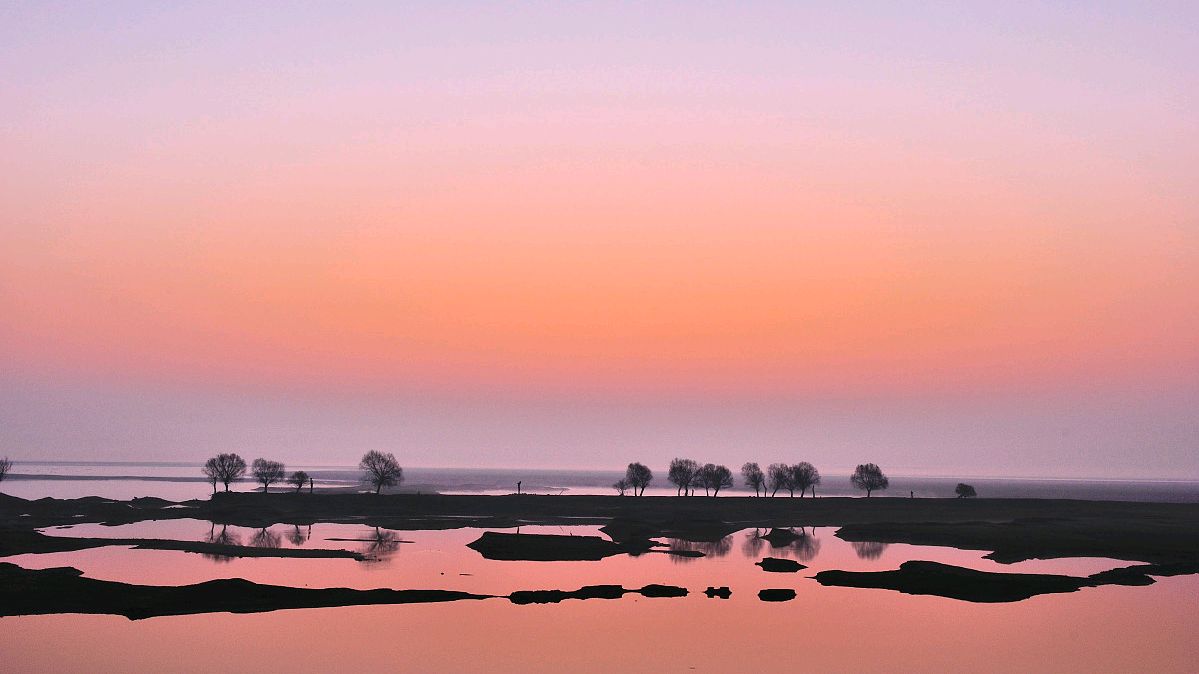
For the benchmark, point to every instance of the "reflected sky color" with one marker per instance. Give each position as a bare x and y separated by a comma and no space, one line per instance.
1103,629
956,239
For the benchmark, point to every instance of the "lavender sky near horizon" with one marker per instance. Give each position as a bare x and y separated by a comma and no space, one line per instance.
949,240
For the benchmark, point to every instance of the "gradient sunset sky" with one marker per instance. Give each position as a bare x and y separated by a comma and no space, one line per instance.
959,240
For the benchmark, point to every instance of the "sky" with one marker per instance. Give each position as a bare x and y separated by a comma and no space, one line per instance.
951,239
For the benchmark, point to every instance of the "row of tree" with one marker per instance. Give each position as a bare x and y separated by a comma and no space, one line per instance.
5,466
378,470
688,476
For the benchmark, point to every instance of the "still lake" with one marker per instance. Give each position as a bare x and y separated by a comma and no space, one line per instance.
1103,629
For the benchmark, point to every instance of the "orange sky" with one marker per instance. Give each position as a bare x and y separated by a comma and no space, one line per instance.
772,203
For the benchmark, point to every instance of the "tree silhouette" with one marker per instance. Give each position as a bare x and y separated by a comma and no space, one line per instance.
267,472
714,477
6,465
381,470
622,485
681,474
869,477
754,477
299,479
639,476
224,468
964,490
778,476
803,476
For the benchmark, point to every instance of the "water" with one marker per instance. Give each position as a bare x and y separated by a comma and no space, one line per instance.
824,629
1104,629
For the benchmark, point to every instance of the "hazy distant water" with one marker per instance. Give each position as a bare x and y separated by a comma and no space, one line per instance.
181,481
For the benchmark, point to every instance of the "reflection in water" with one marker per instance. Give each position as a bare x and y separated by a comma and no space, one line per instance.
869,549
804,547
380,545
718,548
298,536
265,538
807,547
222,537
752,547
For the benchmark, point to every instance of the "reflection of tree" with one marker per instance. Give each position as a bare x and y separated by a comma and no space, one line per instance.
869,549
297,536
752,547
265,538
718,548
380,544
807,547
222,537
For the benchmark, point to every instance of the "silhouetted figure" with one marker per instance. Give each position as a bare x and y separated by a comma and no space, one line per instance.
869,478
381,470
224,468
518,488
913,494
267,472
964,490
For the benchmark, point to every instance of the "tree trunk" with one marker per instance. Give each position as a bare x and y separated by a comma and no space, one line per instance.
378,487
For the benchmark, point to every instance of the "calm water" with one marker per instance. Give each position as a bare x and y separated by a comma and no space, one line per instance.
1106,629
823,629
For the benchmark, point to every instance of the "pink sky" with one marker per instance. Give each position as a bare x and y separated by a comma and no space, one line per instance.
960,240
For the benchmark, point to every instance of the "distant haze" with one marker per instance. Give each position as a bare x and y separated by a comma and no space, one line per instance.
953,240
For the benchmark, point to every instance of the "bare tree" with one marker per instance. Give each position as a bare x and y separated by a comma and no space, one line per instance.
267,472
869,477
681,474
713,477
224,468
804,475
297,536
754,478
381,470
964,490
5,466
639,476
778,476
299,479
622,485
